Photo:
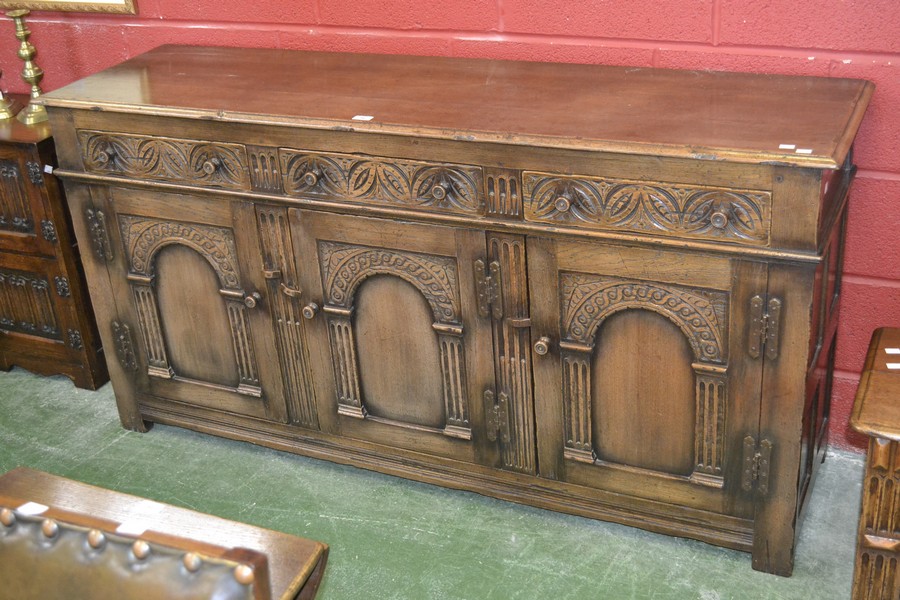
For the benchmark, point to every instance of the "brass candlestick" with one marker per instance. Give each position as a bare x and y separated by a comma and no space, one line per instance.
32,74
8,106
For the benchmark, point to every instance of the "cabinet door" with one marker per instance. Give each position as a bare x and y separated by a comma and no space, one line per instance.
186,273
642,381
25,224
393,305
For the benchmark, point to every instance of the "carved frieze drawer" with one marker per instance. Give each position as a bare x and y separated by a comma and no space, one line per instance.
713,213
408,184
190,162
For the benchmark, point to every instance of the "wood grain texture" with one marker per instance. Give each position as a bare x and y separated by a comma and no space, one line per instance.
692,114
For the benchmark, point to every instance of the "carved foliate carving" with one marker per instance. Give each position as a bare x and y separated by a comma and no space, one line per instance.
346,266
26,305
167,159
686,211
144,236
392,182
700,314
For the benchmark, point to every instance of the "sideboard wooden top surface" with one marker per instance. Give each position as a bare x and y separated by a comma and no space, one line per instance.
751,118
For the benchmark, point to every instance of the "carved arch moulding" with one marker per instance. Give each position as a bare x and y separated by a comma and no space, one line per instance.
701,315
344,268
143,238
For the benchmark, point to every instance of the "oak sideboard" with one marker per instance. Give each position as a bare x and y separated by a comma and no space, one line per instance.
606,291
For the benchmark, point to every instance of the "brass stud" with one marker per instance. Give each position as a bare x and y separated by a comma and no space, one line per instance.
7,517
192,562
140,549
96,539
243,574
50,528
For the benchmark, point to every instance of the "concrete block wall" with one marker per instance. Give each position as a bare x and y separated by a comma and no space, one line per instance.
828,38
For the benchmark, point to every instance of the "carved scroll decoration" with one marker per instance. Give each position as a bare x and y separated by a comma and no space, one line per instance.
26,305
344,268
391,182
166,159
143,238
639,206
588,300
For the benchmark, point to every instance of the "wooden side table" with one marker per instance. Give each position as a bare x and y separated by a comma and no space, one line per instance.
876,413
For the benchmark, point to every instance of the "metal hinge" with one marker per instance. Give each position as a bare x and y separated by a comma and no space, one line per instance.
96,222
487,288
496,416
124,346
34,173
764,327
757,460
48,230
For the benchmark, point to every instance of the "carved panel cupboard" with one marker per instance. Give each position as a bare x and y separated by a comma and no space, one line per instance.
46,323
611,292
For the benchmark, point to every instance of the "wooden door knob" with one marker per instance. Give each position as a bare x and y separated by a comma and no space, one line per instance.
439,191
718,220
211,165
562,203
311,178
310,310
542,346
251,300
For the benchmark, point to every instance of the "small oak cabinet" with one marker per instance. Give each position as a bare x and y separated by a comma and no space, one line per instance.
46,322
607,291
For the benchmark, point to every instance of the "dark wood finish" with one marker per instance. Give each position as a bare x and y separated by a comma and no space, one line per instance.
286,567
46,321
607,291
875,414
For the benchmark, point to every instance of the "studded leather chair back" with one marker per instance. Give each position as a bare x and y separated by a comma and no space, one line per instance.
59,554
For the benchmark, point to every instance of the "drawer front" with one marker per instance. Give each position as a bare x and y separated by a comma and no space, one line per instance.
433,187
191,162
709,213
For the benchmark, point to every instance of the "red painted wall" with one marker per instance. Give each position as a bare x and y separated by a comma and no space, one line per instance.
839,38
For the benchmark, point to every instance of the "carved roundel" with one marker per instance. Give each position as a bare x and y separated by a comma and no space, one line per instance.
345,267
700,314
144,237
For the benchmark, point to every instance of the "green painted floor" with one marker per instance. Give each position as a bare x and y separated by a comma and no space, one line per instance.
392,538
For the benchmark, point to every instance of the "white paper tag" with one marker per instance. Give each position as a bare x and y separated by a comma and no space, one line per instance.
135,528
786,146
892,350
363,118
48,169
803,151
893,366
32,509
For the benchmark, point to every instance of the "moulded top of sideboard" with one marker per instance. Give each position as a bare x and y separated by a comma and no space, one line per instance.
740,117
